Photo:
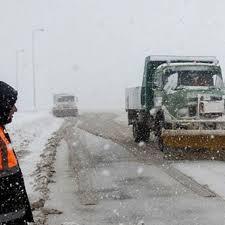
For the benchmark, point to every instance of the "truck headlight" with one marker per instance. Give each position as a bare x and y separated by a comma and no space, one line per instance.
184,112
201,107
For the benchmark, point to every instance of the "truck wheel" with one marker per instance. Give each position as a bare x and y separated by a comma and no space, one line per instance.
145,134
161,144
158,129
140,133
136,132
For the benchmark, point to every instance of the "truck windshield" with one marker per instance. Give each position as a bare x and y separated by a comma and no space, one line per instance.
192,78
66,99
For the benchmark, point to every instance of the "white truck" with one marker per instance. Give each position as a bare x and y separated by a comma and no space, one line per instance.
65,105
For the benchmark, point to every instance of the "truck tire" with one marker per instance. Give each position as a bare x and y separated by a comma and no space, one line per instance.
145,134
140,132
159,125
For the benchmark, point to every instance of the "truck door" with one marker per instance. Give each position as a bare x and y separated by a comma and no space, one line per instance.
149,79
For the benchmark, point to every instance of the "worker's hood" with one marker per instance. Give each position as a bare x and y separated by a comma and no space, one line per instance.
8,98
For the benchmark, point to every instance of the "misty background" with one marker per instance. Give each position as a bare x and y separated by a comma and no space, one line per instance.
96,48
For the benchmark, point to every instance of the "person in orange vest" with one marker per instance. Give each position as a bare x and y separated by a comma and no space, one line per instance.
14,203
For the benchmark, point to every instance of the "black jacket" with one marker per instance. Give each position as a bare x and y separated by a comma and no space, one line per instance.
13,196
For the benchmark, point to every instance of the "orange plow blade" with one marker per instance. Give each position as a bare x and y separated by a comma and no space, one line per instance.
194,139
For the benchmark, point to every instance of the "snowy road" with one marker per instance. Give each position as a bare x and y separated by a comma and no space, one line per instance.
89,171
100,182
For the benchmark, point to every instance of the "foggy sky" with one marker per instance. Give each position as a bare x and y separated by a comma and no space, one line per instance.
96,48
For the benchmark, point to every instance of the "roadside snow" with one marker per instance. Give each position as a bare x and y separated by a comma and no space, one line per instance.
210,173
122,118
29,133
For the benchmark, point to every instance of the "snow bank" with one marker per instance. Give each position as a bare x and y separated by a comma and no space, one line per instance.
209,173
30,133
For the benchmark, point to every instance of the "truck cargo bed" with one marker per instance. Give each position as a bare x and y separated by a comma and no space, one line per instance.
133,98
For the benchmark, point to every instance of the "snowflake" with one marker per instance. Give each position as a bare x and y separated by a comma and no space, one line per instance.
141,144
106,147
140,170
106,173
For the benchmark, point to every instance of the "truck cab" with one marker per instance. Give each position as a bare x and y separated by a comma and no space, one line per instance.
178,89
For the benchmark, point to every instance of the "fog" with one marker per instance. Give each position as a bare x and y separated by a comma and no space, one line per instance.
96,48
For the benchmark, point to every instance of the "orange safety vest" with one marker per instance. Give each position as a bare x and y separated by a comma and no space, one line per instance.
8,161
8,166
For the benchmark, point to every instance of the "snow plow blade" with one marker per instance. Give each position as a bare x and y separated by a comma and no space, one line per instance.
194,139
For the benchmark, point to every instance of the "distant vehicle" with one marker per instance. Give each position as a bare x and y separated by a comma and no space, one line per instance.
65,105
181,100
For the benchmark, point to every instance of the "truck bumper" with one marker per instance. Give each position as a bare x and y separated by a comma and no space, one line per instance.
194,139
65,112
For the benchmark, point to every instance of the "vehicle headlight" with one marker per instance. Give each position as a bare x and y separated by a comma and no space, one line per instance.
184,112
158,101
201,107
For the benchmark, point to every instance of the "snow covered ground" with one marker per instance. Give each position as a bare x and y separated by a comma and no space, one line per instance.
30,133
107,185
210,173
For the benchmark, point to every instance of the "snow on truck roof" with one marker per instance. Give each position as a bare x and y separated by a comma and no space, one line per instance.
186,64
172,58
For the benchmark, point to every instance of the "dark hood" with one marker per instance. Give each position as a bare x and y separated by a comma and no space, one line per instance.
8,97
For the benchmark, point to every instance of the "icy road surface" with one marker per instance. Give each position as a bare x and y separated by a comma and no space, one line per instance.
100,182
96,181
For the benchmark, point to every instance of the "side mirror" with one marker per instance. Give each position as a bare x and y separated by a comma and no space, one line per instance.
167,72
155,85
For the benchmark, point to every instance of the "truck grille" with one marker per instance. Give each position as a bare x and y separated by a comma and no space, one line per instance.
216,98
192,110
